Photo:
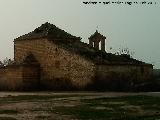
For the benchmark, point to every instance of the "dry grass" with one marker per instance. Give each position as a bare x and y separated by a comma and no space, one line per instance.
79,106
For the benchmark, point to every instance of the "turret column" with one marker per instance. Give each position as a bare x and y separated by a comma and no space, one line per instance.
103,44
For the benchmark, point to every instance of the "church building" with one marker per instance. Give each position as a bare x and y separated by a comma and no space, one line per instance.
49,58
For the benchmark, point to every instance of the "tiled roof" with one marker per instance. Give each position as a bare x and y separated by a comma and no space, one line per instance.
97,35
47,30
98,56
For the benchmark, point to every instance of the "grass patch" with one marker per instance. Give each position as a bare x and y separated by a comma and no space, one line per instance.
146,102
7,118
118,108
32,98
84,112
42,117
8,112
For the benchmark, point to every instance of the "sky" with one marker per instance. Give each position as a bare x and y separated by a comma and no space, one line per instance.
135,26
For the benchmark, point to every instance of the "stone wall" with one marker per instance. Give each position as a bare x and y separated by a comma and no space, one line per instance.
19,77
60,68
122,77
31,77
11,78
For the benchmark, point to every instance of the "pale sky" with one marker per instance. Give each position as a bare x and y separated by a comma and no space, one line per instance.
136,27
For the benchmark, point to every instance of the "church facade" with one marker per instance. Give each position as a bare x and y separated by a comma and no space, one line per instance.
49,58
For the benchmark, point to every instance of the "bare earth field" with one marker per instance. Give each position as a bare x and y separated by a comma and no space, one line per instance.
79,106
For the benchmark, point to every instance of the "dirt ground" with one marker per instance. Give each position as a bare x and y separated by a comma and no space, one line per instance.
40,109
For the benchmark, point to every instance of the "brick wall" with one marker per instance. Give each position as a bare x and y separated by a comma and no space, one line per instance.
11,79
123,77
19,77
63,69
31,77
59,67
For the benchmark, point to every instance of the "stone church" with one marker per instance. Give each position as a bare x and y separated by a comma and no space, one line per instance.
49,58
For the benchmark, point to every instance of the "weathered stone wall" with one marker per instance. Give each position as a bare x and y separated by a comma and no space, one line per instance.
59,67
19,77
11,78
62,69
122,77
31,77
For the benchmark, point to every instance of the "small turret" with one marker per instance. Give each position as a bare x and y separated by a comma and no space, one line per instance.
95,39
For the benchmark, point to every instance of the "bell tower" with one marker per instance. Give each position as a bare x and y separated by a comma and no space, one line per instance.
96,39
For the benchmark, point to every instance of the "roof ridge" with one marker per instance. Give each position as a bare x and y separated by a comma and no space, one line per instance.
47,30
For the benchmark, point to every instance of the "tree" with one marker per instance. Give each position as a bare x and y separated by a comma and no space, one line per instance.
125,51
1,64
7,61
